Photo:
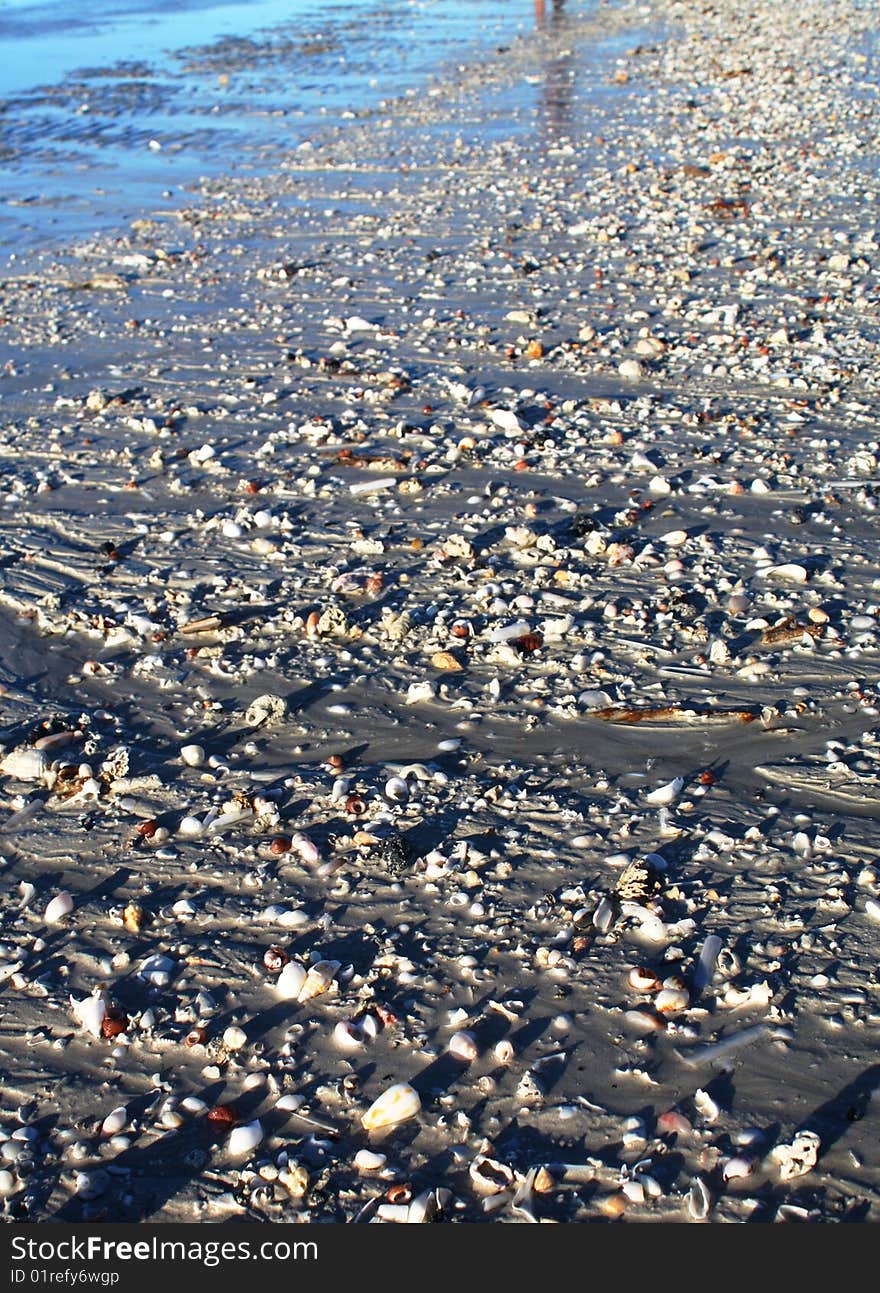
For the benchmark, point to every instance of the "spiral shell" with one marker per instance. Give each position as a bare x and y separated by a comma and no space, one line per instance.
396,1104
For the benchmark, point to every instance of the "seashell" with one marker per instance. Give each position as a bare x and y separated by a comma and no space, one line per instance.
736,1168
234,1038
115,1121
367,1160
644,1021
706,1106
59,907
398,1103
799,1158
445,660
638,881
790,571
463,1046
396,789
666,794
290,981
158,970
347,1036
424,1208
643,980
488,1176
193,755
503,1051
25,765
699,1199
290,1103
307,850
89,1013
673,1123
190,828
244,1139
705,967
318,979
603,916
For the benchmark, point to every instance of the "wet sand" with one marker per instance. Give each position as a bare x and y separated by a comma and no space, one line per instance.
485,503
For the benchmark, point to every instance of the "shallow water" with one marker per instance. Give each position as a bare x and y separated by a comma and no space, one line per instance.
107,111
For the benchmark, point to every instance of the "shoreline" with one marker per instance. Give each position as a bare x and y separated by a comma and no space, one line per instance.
517,443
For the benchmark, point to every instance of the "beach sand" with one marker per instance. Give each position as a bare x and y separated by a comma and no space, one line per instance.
484,499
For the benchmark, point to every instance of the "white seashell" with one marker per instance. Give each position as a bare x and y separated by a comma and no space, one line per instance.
234,1038
705,967
190,828
736,1168
25,765
642,980
665,794
644,1022
347,1036
488,1176
397,790
366,1160
290,1103
872,909
193,755
90,1013
243,1140
463,1046
318,979
115,1121
398,1103
790,571
671,1000
60,906
799,1158
302,845
706,1106
699,1199
631,370
423,1209
503,1051
290,981
158,970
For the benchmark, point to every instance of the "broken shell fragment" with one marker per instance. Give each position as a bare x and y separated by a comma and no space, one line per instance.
488,1176
25,765
318,979
797,1159
396,1104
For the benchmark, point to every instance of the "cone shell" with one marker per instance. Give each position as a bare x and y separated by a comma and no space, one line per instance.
395,1105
